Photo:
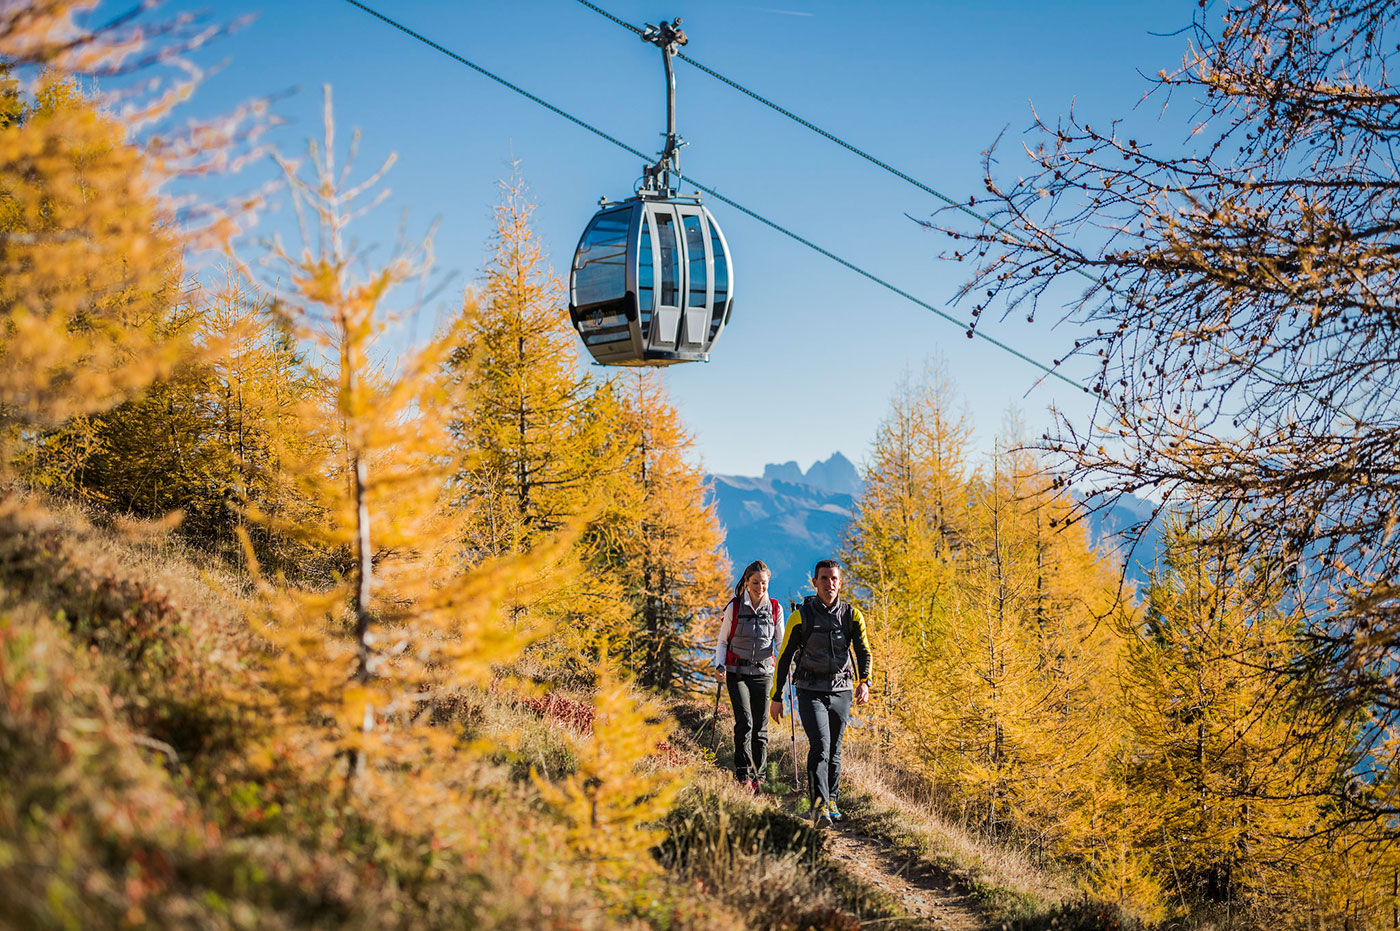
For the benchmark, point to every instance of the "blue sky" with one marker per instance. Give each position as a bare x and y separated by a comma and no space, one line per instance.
813,352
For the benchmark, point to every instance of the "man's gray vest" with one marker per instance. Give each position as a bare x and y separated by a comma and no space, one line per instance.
753,638
824,662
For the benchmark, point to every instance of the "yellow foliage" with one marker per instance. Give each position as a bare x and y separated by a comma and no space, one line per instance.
615,799
534,438
90,249
1217,761
406,621
910,519
663,541
88,266
542,445
1122,874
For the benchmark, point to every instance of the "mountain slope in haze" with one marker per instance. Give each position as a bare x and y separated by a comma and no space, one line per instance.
1125,529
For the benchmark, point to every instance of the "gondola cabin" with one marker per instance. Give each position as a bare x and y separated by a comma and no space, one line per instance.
651,283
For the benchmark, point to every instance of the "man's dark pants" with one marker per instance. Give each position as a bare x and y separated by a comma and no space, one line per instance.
824,716
749,696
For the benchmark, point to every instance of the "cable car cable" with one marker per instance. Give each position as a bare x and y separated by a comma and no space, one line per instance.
499,80
826,135
885,284
1275,376
971,332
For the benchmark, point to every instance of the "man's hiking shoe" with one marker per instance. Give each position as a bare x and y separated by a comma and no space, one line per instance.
831,810
821,816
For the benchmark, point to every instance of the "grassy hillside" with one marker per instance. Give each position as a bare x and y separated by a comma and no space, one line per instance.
142,785
138,789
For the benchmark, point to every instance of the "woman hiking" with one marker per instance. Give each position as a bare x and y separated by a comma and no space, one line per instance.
750,630
822,636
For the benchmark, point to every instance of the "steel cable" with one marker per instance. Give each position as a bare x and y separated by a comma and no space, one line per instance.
970,331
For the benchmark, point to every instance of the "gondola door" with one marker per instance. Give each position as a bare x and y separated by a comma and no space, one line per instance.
669,269
699,276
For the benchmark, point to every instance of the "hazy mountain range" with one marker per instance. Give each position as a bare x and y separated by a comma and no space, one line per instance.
1126,529
790,518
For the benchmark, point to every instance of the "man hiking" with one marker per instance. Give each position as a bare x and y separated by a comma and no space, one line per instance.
821,636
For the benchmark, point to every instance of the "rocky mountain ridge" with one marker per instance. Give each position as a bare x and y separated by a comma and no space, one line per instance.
790,519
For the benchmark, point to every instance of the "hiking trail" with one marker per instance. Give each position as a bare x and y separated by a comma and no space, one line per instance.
929,897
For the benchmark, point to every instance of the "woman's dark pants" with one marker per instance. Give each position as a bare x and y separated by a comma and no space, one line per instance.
824,716
749,696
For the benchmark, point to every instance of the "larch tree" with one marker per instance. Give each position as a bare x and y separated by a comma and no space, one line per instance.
615,802
88,267
996,615
368,668
90,241
405,621
536,436
910,520
989,653
666,543
1239,801
202,441
143,456
1240,305
251,397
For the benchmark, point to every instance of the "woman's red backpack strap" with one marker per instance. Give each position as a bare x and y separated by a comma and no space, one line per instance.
732,610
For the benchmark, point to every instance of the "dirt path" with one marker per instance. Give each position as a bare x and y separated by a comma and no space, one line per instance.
929,897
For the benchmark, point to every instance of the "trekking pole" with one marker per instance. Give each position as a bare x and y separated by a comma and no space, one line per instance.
792,715
792,724
714,722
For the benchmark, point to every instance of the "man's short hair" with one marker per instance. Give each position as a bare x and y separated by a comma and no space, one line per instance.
825,564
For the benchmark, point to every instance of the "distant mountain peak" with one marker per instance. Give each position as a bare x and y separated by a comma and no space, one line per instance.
788,471
787,524
836,473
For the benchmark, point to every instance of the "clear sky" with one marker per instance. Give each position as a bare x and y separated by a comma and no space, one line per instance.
813,351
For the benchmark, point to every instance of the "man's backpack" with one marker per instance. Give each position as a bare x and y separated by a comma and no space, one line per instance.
824,653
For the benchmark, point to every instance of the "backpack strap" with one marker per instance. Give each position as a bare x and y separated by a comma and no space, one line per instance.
806,631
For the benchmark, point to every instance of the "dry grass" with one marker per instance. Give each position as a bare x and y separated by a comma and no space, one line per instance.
759,855
887,801
1010,885
999,868
139,784
122,634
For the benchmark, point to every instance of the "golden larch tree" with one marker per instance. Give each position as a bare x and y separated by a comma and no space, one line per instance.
536,436
1240,801
406,619
88,265
909,521
668,546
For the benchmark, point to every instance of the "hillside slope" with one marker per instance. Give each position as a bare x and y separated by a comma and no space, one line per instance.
144,783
